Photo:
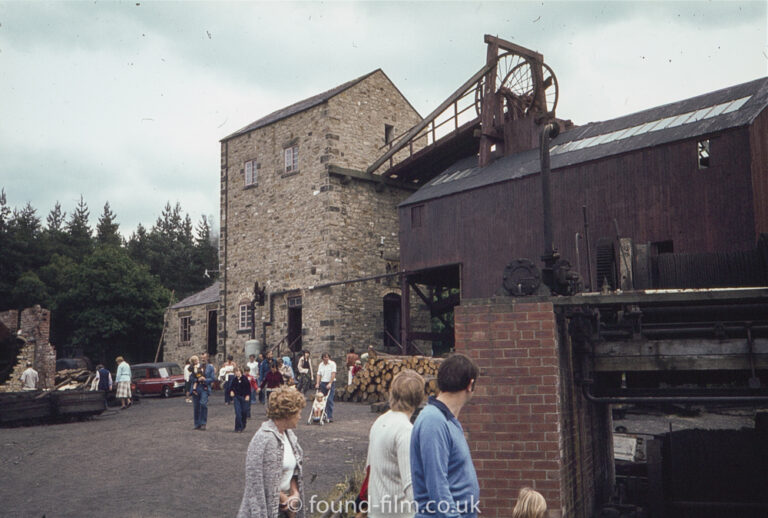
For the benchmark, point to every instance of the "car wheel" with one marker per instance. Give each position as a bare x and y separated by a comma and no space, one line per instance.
166,391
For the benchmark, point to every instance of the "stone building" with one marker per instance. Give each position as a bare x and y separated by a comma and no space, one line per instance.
191,326
298,213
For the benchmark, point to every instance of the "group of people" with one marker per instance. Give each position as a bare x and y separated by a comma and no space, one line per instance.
422,469
261,376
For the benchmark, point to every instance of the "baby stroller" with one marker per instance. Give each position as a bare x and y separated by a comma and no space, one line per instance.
317,410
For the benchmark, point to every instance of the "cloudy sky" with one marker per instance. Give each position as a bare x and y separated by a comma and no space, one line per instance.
126,102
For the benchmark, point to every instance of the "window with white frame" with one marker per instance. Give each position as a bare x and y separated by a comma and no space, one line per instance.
252,173
246,316
185,324
291,159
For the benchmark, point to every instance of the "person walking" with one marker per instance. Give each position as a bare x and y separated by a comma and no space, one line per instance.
189,367
102,382
326,382
204,377
444,478
226,374
29,378
264,368
352,357
272,381
274,485
123,380
240,392
306,375
390,493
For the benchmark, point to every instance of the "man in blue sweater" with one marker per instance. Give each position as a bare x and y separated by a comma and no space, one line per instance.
444,479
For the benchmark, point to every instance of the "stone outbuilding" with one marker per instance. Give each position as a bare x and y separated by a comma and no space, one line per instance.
300,218
191,326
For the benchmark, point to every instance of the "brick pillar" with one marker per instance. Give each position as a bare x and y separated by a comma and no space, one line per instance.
528,423
513,420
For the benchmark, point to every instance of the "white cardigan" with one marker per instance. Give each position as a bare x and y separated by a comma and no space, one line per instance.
389,486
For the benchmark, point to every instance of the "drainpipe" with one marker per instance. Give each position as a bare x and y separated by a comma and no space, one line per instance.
617,400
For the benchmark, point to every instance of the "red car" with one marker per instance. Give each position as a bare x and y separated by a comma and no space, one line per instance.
163,378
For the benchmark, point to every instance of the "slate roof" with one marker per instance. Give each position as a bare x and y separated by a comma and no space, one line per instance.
299,107
207,296
731,107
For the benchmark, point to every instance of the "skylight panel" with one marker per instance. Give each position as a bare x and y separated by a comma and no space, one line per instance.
719,109
701,114
738,103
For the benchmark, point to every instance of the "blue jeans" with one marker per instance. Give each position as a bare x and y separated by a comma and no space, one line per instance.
200,400
241,412
329,389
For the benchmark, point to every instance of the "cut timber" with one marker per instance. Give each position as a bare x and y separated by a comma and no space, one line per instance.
371,384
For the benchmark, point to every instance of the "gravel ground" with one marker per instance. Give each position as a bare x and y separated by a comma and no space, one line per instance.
148,461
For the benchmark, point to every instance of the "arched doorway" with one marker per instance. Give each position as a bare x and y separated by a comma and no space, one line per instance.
392,317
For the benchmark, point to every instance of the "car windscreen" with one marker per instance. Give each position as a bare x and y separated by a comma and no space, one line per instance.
171,370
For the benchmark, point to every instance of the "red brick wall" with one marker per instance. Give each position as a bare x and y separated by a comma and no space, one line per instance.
528,424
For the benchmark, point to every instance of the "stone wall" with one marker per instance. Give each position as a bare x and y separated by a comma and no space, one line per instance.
35,325
528,423
294,231
174,350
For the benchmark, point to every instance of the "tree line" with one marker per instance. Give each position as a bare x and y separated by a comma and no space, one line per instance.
107,294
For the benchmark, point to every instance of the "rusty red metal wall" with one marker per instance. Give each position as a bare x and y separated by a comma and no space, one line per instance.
656,194
758,141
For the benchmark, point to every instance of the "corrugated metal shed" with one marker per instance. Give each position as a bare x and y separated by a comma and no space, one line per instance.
731,107
207,296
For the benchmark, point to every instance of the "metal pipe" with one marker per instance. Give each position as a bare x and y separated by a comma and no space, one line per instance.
578,255
617,400
589,253
719,505
548,131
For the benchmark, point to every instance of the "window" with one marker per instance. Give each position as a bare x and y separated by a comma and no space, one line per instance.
184,329
417,216
703,152
246,316
388,129
252,172
294,302
291,159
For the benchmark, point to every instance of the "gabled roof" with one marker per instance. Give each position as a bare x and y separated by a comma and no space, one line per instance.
207,296
731,107
300,106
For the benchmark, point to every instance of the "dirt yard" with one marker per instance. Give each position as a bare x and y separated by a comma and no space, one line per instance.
148,461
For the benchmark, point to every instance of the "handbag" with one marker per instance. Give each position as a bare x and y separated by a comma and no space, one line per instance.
363,496
361,502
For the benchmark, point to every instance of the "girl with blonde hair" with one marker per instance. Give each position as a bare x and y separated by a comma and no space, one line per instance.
530,504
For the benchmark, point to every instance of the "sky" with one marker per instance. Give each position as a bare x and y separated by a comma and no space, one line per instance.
126,102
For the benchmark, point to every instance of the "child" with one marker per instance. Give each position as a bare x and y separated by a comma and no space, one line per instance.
272,380
317,406
240,392
530,504
254,386
357,368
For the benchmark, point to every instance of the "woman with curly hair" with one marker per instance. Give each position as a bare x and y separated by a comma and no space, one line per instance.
273,470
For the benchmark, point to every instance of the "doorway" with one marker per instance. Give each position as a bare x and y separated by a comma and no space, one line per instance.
212,325
294,324
392,320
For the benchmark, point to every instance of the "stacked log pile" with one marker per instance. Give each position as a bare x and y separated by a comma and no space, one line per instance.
371,384
71,379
